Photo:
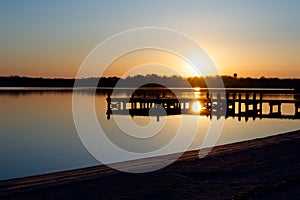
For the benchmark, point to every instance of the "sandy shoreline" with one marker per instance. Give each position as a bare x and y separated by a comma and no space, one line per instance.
261,168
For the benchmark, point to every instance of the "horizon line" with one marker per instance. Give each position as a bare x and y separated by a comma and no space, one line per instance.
168,76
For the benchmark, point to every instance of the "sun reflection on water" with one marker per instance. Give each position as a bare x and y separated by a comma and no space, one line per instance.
196,106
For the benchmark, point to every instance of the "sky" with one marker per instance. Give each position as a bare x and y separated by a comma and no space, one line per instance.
51,38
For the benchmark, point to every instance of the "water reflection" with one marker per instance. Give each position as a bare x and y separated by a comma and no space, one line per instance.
38,133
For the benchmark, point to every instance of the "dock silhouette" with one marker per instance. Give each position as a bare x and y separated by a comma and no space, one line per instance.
230,103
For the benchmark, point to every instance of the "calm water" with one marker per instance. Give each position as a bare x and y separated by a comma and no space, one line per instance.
38,134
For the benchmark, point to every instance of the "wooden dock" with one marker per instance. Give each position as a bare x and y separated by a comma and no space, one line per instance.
242,104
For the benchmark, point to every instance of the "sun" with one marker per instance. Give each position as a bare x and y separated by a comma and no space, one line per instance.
196,107
197,89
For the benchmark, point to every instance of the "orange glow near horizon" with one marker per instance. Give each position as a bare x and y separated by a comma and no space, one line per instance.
245,64
154,59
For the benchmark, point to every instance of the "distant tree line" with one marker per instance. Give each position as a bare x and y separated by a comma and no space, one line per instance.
169,81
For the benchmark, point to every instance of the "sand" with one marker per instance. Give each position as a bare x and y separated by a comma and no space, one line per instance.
267,168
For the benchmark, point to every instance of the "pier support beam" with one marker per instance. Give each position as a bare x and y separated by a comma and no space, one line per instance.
108,111
297,109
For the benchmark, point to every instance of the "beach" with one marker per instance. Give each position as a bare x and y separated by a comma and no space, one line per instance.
265,168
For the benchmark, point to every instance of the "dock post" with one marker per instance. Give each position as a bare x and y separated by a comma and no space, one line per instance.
279,108
271,108
247,103
260,104
108,100
254,104
240,107
255,112
108,111
233,104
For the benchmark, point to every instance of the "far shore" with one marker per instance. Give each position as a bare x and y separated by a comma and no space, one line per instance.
265,168
173,81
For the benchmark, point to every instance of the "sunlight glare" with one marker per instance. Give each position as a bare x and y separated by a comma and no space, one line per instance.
196,106
197,89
